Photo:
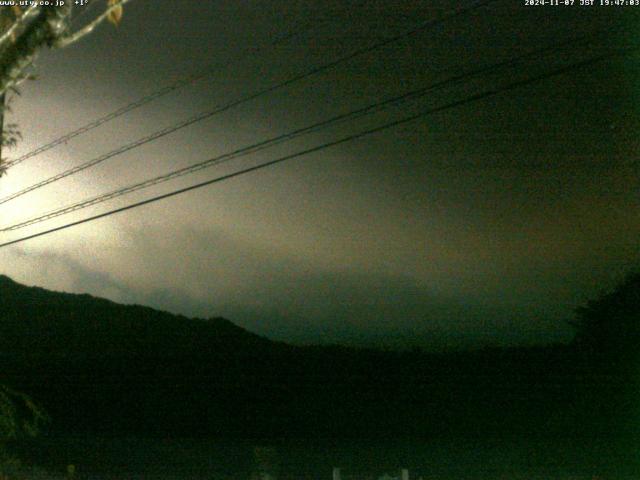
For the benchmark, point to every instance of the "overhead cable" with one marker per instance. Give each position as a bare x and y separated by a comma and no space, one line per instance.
349,138
204,115
241,152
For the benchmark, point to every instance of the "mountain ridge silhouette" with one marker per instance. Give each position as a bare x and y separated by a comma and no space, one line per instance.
101,367
36,321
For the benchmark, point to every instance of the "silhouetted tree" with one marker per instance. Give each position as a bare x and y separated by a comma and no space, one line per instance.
25,31
610,324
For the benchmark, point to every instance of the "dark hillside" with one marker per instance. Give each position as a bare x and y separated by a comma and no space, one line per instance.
98,366
36,322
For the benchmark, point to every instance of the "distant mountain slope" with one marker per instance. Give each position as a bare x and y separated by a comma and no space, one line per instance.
100,367
35,321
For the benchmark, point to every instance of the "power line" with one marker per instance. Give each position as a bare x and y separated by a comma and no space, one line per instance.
354,114
204,115
386,126
177,85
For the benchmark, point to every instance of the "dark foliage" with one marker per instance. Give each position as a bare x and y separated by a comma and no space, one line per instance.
610,324
105,368
606,345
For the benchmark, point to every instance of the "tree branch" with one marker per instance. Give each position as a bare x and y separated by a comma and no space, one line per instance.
66,40
48,25
20,22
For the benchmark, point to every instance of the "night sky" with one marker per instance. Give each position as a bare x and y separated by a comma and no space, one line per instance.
483,224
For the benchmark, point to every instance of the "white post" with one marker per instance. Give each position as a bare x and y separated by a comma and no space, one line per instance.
336,473
404,474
